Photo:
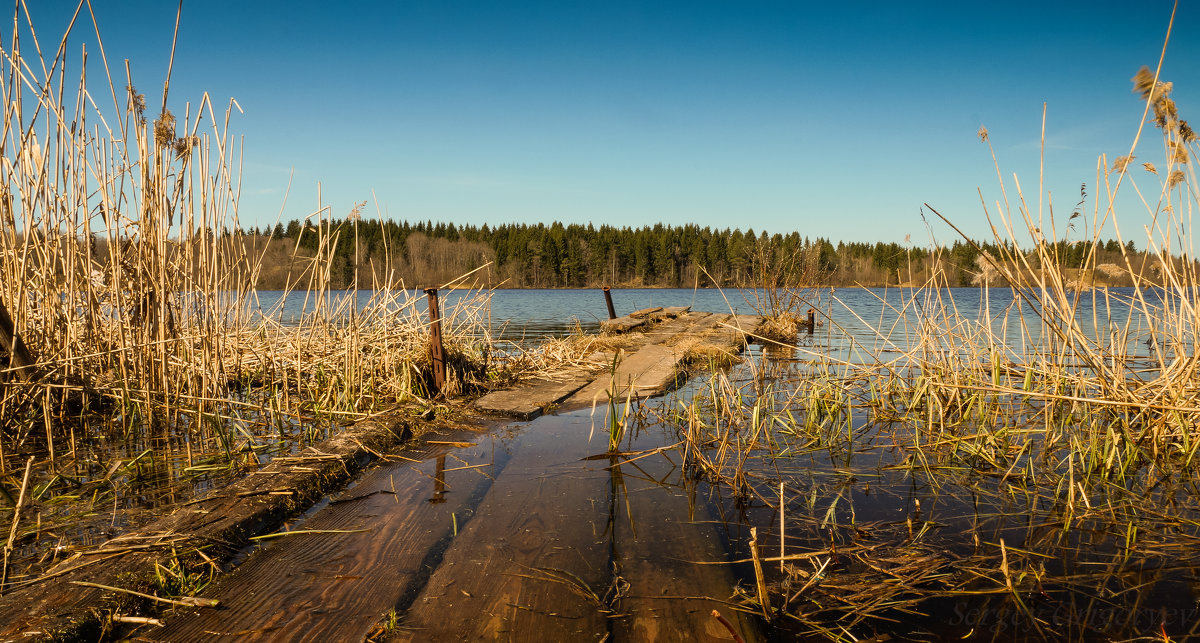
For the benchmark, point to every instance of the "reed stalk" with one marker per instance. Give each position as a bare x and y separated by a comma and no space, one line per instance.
132,323
1055,436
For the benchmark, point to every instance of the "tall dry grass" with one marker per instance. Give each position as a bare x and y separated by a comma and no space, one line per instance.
1049,448
123,278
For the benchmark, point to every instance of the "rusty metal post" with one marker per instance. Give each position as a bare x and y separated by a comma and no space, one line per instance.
19,358
812,321
436,351
612,312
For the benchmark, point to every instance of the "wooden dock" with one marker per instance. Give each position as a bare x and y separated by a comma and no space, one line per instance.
661,340
483,536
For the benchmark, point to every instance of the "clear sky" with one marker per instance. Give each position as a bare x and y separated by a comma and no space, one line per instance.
833,119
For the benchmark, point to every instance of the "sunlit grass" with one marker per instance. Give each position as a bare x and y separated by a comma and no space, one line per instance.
154,369
1028,456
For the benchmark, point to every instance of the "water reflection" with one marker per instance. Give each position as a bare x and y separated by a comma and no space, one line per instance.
439,480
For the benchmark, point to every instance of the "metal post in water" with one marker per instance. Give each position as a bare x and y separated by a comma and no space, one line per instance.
436,351
612,312
19,359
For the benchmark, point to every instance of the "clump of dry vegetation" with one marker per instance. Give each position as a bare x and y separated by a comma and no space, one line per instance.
995,463
136,351
782,286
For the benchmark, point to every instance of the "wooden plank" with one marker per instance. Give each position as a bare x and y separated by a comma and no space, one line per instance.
646,372
531,562
336,586
621,324
260,502
697,332
661,536
665,331
733,332
220,523
645,312
639,318
530,399
746,324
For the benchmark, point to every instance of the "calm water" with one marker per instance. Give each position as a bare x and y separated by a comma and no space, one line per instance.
853,319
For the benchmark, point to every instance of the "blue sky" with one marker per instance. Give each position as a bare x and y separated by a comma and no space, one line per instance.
836,121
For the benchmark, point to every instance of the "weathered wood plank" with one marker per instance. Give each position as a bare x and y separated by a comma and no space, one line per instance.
221,523
727,333
645,312
327,587
644,373
698,332
639,318
649,370
530,399
622,324
661,535
531,563
666,330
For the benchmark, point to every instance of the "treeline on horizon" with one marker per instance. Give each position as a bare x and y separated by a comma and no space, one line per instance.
371,254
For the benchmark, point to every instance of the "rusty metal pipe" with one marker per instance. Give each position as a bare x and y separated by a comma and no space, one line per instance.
612,312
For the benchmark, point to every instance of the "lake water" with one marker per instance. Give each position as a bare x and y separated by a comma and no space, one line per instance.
881,319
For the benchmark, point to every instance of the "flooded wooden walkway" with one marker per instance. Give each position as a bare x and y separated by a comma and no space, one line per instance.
650,365
520,533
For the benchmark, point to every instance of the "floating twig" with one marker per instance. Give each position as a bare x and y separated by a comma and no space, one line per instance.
298,532
185,601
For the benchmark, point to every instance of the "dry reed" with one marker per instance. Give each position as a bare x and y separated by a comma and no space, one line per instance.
1047,447
125,275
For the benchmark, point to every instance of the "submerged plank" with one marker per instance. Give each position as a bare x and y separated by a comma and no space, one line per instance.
532,563
52,606
385,535
644,373
662,534
530,399
648,370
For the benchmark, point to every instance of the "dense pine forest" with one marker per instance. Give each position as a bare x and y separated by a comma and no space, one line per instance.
364,253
